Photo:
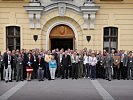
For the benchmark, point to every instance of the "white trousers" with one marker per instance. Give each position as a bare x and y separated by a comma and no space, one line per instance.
8,70
52,72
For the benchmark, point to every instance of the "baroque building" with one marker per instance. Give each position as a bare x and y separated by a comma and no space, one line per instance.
75,24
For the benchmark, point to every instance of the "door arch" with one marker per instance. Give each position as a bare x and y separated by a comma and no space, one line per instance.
59,23
62,36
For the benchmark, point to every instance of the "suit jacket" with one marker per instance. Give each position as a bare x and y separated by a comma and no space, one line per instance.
108,61
41,64
125,60
35,62
130,61
6,61
66,61
116,61
19,63
59,59
102,61
30,60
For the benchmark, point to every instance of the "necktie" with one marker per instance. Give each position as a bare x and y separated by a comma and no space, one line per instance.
9,58
75,57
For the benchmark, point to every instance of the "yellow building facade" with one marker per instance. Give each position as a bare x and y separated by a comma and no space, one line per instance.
94,24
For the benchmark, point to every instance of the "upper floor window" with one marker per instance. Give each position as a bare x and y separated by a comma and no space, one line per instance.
13,37
110,38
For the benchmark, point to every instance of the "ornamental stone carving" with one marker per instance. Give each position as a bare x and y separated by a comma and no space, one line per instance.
88,9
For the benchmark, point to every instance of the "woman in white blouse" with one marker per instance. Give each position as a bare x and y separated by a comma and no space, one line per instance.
93,62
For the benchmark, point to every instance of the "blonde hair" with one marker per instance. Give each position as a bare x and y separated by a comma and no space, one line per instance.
52,57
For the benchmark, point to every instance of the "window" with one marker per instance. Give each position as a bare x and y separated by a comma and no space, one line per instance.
110,38
13,37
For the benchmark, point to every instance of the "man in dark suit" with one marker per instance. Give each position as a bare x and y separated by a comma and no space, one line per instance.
41,68
1,66
8,60
130,66
34,75
24,56
65,63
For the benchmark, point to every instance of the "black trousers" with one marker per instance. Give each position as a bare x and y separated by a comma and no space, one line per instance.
116,70
64,72
93,72
74,70
59,71
24,71
88,70
84,70
14,72
123,71
1,71
101,72
98,70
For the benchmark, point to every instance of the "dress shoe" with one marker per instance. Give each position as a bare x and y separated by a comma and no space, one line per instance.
6,81
10,80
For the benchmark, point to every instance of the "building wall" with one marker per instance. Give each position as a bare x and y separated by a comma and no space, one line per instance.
111,13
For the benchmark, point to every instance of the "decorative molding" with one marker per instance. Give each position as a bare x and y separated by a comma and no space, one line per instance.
57,4
38,16
31,16
34,9
88,9
85,16
62,8
92,19
61,0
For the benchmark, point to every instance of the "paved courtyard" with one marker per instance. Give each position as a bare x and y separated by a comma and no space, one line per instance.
81,89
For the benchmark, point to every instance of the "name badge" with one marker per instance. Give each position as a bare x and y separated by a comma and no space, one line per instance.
131,61
8,62
116,60
101,61
28,62
122,61
20,63
34,60
1,60
40,68
39,64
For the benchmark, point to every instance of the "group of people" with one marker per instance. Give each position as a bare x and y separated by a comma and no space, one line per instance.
41,64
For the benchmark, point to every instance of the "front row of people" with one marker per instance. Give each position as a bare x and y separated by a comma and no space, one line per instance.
69,64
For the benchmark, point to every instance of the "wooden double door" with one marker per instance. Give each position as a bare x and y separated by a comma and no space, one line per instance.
62,36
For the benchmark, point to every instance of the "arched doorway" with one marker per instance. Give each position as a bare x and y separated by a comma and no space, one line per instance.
62,36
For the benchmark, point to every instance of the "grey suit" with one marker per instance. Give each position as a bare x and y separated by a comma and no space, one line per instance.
19,66
108,64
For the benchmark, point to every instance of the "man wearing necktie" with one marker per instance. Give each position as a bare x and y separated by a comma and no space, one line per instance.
74,60
8,66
